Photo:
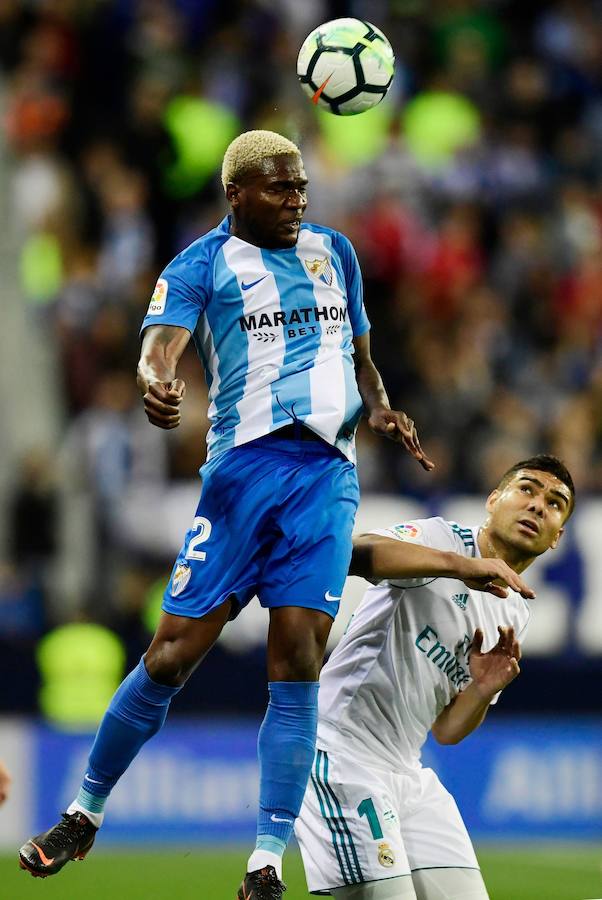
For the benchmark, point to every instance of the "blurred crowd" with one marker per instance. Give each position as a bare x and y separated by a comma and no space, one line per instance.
473,196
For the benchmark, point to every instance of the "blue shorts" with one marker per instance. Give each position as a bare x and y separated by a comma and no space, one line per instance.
274,520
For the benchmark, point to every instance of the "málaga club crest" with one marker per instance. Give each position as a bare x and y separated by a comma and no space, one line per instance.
320,268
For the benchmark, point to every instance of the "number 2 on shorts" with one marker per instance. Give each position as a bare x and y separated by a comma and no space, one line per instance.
366,808
203,526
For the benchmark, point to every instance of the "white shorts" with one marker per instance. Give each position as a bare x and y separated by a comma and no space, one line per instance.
365,824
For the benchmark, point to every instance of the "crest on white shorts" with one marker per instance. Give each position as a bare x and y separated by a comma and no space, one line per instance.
180,579
386,857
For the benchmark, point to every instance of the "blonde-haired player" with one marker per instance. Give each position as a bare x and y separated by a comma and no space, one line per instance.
276,312
427,649
249,151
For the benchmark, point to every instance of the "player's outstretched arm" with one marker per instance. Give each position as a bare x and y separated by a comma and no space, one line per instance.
378,557
381,418
491,672
162,392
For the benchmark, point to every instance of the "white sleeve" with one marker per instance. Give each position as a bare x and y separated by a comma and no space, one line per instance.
435,533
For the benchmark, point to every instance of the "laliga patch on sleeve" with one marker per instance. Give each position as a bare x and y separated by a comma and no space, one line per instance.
408,531
156,307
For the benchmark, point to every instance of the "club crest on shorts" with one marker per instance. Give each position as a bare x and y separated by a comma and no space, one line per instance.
180,579
386,857
321,268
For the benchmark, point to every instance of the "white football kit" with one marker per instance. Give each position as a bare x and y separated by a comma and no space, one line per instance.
371,810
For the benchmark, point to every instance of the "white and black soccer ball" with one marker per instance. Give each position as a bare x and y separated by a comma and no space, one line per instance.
346,66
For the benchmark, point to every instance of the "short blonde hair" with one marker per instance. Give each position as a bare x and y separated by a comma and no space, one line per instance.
247,151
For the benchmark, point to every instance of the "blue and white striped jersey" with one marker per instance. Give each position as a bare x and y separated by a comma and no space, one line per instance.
273,329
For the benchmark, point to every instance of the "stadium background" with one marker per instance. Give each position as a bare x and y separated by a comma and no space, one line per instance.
474,198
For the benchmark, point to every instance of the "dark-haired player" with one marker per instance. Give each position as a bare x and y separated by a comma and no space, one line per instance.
427,649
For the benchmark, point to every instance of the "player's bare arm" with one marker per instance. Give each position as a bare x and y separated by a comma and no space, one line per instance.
378,557
491,672
381,418
162,392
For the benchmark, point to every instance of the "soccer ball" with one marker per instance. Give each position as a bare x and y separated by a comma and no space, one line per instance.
346,66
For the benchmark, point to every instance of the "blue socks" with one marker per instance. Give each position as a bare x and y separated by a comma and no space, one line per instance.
136,712
286,748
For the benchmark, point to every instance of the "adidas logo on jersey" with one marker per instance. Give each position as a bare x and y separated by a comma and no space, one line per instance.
460,600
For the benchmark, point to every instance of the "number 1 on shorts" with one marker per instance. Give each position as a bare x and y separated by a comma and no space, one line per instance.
366,808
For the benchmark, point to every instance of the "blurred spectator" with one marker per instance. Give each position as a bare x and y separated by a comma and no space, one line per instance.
22,608
127,241
33,523
33,517
109,450
5,781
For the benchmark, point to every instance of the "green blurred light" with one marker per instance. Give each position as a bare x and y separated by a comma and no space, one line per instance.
357,140
200,130
437,123
151,612
41,268
81,665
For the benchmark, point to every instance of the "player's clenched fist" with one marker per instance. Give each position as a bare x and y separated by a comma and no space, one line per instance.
162,403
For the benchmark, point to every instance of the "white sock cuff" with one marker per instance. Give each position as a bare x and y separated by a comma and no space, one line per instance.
95,817
261,858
